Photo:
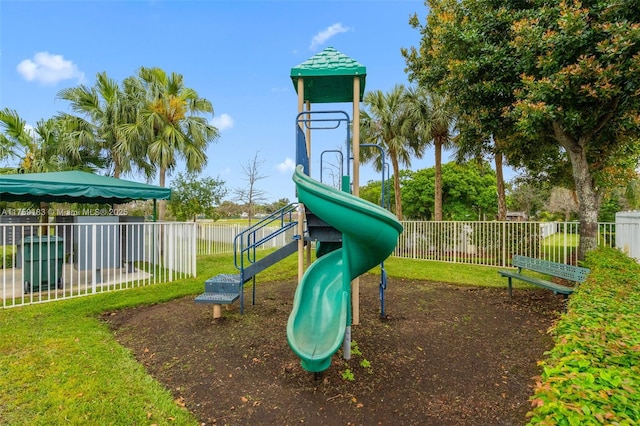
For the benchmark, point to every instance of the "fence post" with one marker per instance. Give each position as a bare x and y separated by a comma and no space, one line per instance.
194,250
94,255
504,244
455,242
564,246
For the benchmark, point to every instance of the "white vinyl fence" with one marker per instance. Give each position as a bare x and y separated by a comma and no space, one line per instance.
217,238
494,243
474,242
79,257
628,235
89,255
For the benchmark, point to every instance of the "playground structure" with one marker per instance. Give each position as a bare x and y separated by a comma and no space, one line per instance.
351,235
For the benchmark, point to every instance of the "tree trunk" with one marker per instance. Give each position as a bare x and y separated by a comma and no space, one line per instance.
116,174
437,199
44,217
589,204
396,184
502,199
161,203
588,199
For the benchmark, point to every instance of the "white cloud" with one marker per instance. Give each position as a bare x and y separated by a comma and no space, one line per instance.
288,165
324,35
49,69
31,131
222,122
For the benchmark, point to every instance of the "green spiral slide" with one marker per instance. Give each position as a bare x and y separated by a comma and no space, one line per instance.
321,305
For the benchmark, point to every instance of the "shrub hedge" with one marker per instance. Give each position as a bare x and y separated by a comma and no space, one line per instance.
6,257
592,375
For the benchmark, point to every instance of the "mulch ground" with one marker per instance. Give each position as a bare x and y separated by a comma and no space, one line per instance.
444,355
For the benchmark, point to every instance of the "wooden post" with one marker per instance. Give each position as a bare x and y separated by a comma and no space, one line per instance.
355,284
300,205
356,136
308,134
300,94
300,242
308,140
217,311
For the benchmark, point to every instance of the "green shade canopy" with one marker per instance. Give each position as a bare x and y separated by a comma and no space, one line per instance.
76,187
328,77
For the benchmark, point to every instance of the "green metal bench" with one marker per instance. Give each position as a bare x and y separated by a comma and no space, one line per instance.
576,274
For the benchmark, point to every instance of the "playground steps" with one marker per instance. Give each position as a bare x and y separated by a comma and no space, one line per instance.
224,289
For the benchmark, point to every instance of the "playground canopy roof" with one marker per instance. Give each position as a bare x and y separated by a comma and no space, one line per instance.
76,187
328,77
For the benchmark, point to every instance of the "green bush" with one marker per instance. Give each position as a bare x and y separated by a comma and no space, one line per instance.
6,257
592,375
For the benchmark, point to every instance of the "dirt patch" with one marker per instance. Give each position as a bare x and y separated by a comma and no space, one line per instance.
445,355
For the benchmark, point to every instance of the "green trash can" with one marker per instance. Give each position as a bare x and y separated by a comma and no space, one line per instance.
42,259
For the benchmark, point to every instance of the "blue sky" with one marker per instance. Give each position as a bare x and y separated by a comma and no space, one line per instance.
238,54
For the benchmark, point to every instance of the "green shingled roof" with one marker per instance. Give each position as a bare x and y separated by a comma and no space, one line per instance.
328,77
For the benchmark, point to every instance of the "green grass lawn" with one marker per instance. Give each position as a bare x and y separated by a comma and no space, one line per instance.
560,240
62,365
558,245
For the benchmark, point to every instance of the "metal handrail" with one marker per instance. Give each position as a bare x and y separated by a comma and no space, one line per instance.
239,247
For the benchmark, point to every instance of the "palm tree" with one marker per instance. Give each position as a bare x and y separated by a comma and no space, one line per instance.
43,148
170,120
103,110
432,118
15,135
76,145
43,151
36,148
473,144
385,124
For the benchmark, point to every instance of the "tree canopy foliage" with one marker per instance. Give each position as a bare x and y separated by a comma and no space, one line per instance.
554,83
468,192
386,122
171,120
192,196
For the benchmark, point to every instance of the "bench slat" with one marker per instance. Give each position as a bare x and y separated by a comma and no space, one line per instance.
558,288
560,270
554,269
